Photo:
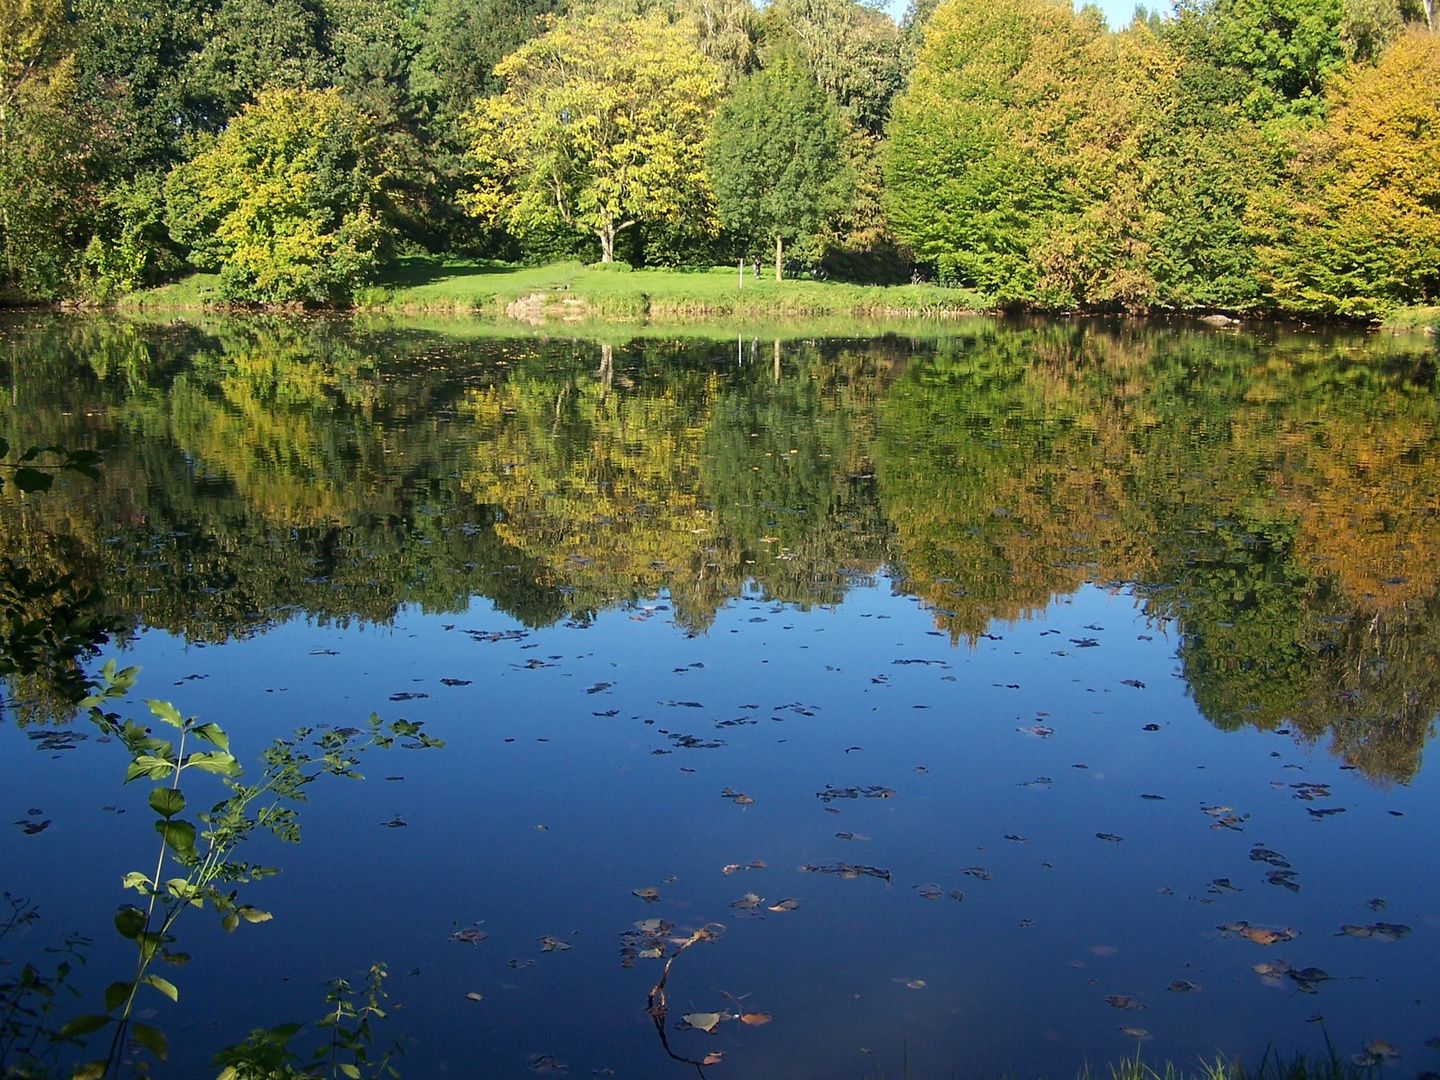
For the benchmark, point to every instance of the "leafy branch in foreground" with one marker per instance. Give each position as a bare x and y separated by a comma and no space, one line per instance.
41,475
266,1055
197,863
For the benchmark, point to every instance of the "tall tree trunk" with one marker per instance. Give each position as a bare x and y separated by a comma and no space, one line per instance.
607,242
1430,14
779,258
777,361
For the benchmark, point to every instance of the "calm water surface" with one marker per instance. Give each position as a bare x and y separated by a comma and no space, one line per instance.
1080,641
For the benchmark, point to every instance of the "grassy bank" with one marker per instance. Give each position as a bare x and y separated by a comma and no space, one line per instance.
1415,318
572,292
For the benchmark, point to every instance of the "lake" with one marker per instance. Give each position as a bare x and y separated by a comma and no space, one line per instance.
1002,695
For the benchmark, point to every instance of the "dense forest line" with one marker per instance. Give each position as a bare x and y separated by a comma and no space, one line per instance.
1279,155
1271,503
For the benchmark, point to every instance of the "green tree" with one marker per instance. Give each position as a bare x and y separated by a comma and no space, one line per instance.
776,157
1358,230
49,146
1278,53
284,203
1014,159
853,50
601,126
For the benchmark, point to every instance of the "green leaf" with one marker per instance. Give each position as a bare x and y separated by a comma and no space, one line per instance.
167,802
83,1025
84,462
165,986
33,480
214,735
253,915
349,1070
135,880
216,762
163,710
179,835
150,945
148,766
116,994
230,922
151,1038
130,921
91,1070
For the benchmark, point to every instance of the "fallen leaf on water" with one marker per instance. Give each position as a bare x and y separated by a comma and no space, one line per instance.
1284,878
1260,935
1040,731
747,902
552,944
754,1019
473,996
784,905
706,1022
930,892
1123,1001
471,935
847,870
1307,979
1181,986
1381,931
542,1063
647,894
1271,970
1136,1032
714,1057
977,872
1109,836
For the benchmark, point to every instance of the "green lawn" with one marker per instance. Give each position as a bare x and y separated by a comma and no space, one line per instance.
574,292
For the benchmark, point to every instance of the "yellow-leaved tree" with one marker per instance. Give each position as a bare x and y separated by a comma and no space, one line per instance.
1358,231
601,126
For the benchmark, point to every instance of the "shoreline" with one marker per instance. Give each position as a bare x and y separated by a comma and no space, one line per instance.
571,293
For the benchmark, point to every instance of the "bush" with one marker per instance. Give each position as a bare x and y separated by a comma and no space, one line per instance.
285,202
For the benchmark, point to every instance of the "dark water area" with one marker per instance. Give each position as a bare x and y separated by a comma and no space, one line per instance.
1025,658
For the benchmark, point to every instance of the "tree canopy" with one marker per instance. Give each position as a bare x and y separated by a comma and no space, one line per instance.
284,202
599,128
1187,161
776,158
1358,228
